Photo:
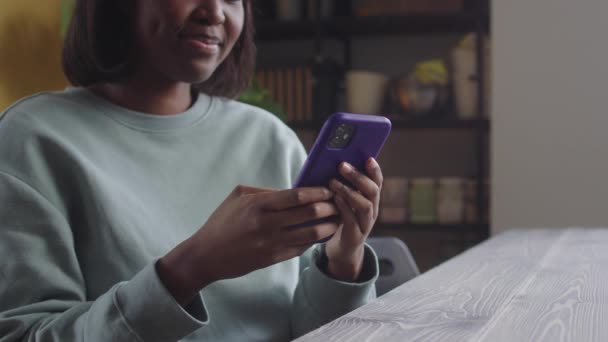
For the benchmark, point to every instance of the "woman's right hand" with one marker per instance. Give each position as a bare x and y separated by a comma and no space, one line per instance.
245,233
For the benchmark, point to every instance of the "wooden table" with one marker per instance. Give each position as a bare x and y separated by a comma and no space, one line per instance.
522,285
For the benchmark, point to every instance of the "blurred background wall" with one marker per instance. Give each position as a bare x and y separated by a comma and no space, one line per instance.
549,114
30,48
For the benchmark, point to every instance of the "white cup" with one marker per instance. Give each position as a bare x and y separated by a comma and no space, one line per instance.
365,91
465,82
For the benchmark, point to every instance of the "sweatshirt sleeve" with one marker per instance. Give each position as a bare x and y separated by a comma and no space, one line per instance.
319,299
42,290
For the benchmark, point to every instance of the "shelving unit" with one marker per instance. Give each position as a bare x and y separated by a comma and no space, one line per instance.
345,27
413,124
344,30
451,228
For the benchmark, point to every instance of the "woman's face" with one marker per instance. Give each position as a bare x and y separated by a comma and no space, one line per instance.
185,40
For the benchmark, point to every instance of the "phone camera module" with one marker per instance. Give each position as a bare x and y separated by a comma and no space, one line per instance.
342,135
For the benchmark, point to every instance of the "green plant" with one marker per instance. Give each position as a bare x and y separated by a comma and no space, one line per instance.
258,96
66,14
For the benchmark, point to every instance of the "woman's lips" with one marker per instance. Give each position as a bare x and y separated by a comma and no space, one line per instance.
202,43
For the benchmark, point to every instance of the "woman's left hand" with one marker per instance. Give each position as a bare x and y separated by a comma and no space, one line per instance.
358,210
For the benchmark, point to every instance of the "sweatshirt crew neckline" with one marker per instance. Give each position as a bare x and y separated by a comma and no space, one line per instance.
147,121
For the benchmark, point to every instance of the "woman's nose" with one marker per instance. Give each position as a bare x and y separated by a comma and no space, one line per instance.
210,12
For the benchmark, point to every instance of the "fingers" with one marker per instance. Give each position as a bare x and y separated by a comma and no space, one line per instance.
298,215
284,199
360,181
346,212
307,236
374,172
370,186
244,190
363,208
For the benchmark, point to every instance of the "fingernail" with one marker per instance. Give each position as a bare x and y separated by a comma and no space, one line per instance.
372,162
334,184
346,167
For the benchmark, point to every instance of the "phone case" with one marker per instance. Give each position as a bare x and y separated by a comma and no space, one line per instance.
370,134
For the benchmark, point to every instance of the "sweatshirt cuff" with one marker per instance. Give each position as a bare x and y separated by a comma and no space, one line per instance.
333,298
151,311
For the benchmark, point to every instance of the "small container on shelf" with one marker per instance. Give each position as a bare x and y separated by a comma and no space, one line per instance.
419,94
423,204
470,201
427,87
365,91
471,205
450,200
465,77
487,199
393,200
392,7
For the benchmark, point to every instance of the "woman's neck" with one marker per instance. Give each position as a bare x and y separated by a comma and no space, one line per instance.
147,97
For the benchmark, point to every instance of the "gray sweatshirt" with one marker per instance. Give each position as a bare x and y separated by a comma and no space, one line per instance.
92,194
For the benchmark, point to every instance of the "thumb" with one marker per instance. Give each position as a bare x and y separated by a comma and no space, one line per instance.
245,190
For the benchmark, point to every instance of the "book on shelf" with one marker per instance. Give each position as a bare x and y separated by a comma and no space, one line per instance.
308,90
298,94
291,87
289,93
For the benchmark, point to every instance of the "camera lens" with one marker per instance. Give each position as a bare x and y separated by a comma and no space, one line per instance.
342,135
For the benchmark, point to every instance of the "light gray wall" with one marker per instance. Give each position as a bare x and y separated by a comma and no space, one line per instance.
550,113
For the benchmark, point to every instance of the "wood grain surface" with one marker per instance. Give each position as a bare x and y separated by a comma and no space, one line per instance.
522,285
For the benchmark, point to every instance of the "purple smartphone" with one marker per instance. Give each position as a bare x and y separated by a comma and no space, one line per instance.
353,138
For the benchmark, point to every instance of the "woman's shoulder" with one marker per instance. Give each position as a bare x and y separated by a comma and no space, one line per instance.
40,108
36,122
246,115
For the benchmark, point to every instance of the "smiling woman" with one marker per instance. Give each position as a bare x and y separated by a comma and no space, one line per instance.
30,49
145,203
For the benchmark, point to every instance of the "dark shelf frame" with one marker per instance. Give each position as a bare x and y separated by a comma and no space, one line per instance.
432,123
426,123
304,125
342,27
382,227
345,29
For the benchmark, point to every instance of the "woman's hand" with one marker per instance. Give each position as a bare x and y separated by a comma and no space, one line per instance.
358,210
245,233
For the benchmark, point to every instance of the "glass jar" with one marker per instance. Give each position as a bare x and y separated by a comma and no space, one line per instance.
423,208
450,200
393,200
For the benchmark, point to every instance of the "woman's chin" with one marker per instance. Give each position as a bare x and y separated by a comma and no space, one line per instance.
198,72
197,77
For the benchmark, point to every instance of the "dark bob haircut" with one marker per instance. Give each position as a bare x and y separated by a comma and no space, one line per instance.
98,42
